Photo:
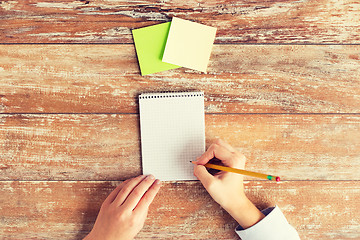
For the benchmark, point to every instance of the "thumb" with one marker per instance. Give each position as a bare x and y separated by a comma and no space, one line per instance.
203,175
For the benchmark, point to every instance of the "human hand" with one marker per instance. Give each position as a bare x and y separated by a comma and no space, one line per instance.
227,188
123,213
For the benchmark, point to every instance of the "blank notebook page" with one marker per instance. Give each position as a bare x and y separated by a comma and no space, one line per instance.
172,128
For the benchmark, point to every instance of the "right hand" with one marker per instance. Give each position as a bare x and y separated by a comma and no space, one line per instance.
227,188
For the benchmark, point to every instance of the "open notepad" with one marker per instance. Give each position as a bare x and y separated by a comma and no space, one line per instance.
172,128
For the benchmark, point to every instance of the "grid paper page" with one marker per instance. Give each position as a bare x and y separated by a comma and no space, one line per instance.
172,128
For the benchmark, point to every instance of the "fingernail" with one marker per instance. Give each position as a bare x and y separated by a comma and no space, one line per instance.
157,182
151,177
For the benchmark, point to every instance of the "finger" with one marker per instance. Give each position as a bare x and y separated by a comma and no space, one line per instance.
148,197
126,190
226,145
239,160
115,192
203,175
138,192
220,152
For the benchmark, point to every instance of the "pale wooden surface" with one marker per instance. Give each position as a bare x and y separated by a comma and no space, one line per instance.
67,209
69,124
108,21
240,79
107,146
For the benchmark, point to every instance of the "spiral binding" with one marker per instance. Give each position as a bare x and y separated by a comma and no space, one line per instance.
170,95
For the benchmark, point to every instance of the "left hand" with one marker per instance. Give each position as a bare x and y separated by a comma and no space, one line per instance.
123,213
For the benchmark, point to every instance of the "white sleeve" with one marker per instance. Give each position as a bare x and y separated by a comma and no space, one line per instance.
273,226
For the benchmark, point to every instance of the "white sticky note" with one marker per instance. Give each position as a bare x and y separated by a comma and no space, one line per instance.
189,44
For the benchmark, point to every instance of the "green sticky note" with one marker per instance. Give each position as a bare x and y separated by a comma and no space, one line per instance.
150,44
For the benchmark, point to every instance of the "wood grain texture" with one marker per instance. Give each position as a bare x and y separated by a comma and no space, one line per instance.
182,210
69,123
106,147
240,79
110,21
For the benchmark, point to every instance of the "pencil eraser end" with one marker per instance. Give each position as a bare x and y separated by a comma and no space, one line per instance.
277,179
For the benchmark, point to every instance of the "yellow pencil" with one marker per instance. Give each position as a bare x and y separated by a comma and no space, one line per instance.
243,172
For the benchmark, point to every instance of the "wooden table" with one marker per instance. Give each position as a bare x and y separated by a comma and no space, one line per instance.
282,86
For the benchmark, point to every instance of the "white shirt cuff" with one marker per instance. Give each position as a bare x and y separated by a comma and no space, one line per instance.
273,226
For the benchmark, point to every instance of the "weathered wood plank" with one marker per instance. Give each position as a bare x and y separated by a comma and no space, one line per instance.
183,210
107,147
240,79
110,21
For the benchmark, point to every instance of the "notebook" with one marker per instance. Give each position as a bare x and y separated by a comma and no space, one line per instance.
172,128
